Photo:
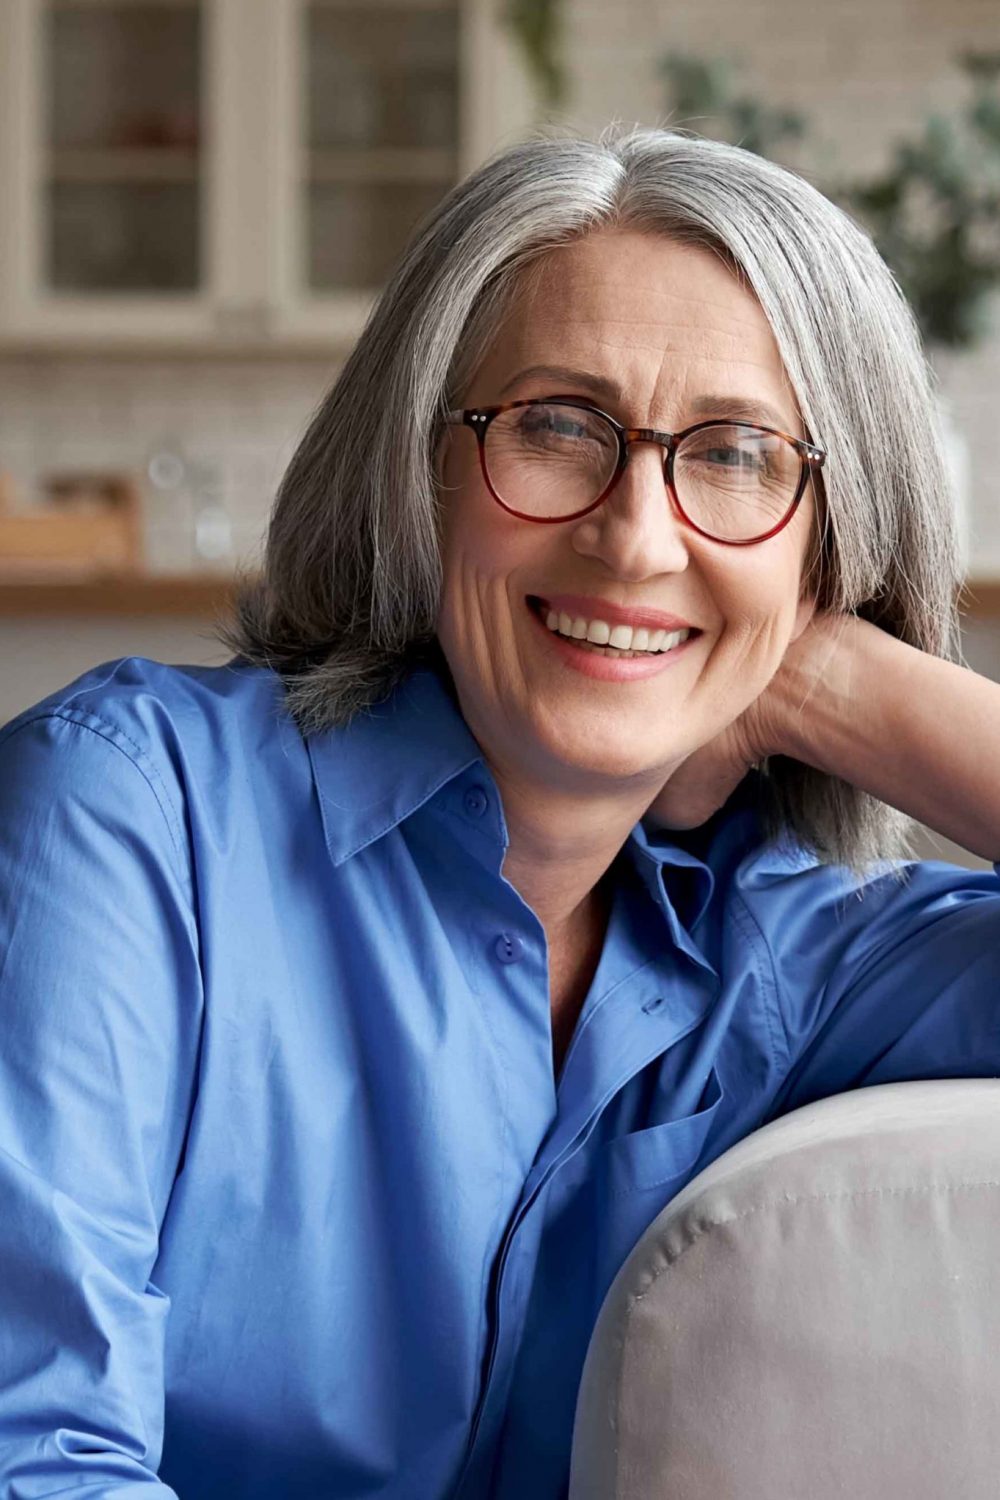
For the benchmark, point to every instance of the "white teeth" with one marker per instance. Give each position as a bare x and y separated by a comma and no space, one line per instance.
620,637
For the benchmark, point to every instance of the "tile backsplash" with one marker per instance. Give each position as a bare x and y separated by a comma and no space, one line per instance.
208,440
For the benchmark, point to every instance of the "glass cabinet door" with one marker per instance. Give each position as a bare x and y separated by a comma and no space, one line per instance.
381,126
121,90
233,173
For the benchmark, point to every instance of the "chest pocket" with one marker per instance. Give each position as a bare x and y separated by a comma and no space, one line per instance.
660,1154
637,1174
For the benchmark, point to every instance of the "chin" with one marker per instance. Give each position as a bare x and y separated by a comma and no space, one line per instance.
601,751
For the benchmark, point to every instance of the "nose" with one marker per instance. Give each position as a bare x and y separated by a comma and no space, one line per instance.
637,532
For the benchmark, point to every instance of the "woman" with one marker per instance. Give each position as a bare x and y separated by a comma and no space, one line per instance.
366,998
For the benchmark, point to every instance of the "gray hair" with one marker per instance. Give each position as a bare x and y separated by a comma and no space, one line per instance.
347,599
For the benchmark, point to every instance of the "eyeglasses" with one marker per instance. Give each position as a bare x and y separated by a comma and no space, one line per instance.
557,459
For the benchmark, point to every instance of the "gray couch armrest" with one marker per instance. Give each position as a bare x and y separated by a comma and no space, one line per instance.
817,1314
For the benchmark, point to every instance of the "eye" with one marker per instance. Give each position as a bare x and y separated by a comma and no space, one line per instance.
729,456
539,421
562,424
739,454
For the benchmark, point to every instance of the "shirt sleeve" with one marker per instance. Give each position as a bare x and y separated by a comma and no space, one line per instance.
900,981
100,1006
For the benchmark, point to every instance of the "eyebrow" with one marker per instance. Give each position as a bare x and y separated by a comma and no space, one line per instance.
737,408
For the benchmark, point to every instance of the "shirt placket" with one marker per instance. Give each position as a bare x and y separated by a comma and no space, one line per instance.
619,1037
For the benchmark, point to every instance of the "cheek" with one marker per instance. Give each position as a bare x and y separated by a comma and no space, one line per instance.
480,550
470,516
460,546
760,605
482,547
472,556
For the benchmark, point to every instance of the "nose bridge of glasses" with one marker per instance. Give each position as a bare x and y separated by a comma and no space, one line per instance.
665,441
636,476
643,498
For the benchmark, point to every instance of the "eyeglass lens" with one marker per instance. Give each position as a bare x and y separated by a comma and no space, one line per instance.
549,460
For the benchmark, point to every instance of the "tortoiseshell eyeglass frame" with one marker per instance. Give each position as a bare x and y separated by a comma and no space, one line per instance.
812,457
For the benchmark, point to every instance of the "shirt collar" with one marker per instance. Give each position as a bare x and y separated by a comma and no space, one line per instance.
390,760
688,886
695,856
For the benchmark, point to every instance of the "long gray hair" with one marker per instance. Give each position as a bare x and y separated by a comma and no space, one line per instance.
347,599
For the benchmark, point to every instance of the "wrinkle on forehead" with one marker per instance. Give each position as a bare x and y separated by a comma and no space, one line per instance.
649,332
597,294
678,306
578,305
636,335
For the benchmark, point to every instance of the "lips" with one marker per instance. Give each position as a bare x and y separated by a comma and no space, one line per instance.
590,607
604,663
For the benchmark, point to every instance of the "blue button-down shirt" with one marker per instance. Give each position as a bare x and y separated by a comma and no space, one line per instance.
291,1201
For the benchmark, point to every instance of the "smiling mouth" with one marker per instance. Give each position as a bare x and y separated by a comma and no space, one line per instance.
602,638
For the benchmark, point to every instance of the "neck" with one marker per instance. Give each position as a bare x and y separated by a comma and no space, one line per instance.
560,848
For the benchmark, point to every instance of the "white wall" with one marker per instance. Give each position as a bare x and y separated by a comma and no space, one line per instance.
238,420
39,656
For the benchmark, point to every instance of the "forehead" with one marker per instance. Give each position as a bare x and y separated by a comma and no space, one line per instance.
648,311
625,275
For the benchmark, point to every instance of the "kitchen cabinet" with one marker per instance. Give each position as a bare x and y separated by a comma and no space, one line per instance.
231,174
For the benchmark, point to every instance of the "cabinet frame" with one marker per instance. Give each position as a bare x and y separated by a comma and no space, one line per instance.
252,209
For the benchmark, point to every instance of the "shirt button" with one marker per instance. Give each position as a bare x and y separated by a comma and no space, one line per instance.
476,801
509,948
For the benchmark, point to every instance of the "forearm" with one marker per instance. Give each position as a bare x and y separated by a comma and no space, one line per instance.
916,732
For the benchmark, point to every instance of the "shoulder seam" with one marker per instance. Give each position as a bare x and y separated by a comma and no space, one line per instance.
112,734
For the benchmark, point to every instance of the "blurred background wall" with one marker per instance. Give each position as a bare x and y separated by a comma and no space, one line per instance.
200,198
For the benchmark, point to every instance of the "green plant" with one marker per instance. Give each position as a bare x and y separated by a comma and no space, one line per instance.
934,212
705,87
537,27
